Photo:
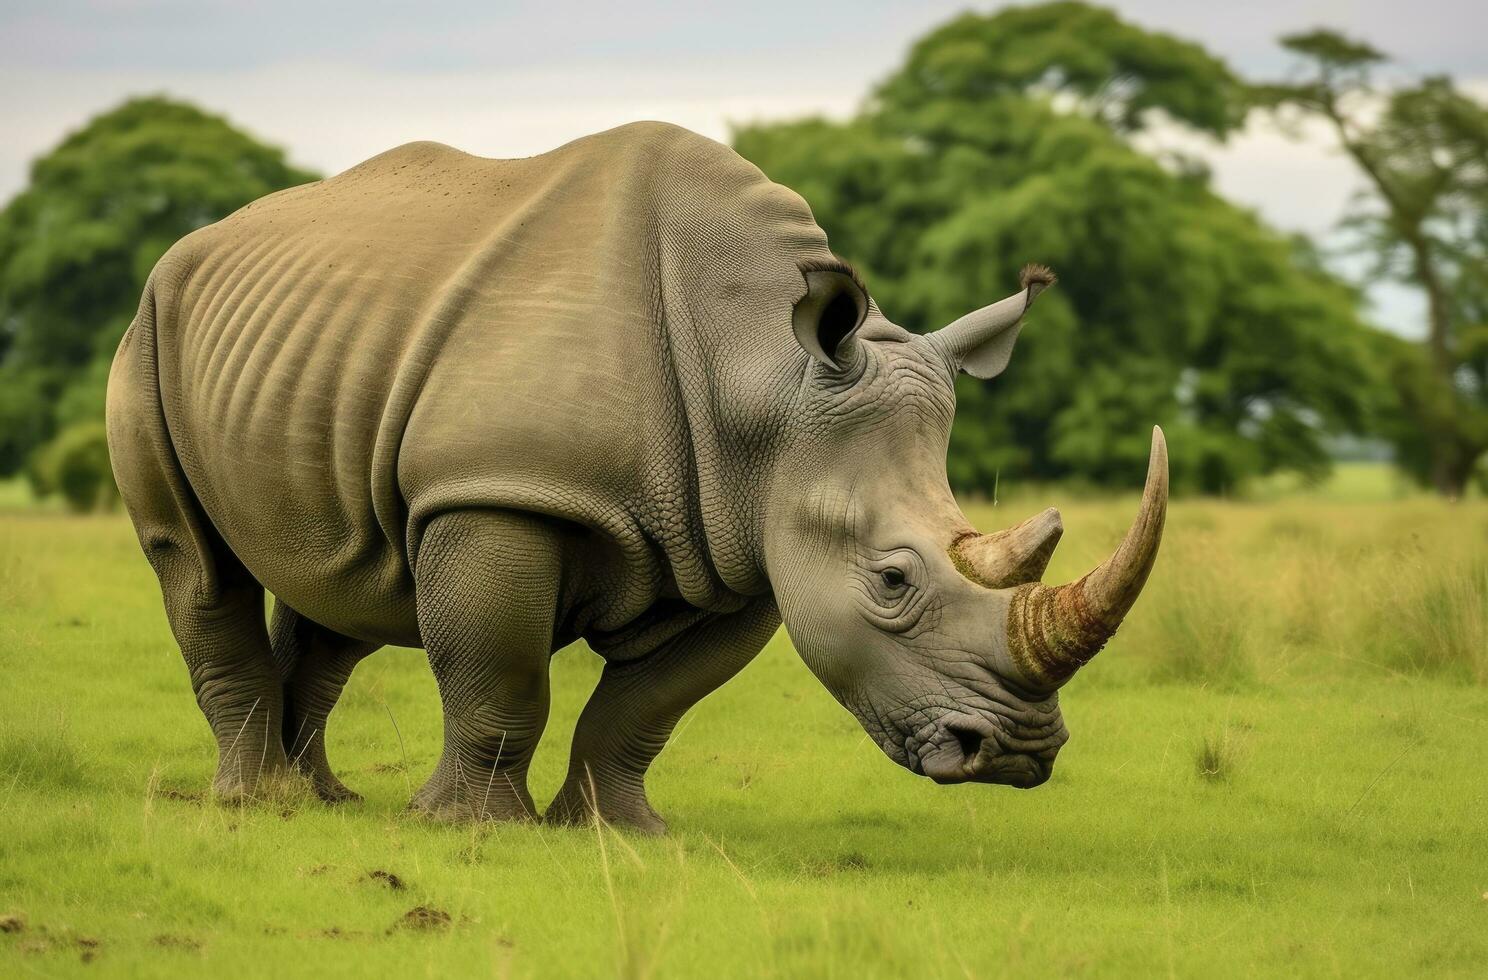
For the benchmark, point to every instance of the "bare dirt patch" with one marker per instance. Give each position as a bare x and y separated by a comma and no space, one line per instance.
422,918
41,941
387,878
336,932
170,941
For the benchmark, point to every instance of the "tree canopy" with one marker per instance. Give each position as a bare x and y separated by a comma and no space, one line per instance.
1112,71
1174,306
77,244
1423,148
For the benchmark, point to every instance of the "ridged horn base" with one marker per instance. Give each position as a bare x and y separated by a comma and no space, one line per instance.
1052,632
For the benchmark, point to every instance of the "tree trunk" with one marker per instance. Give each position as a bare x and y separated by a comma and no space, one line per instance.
1447,473
1447,469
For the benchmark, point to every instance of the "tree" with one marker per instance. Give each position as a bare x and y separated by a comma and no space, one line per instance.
1005,139
78,242
1107,69
1423,150
76,465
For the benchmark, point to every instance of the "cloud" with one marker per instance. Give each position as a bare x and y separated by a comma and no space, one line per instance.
331,117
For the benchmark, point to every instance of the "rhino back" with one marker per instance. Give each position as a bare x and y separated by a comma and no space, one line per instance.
595,334
430,317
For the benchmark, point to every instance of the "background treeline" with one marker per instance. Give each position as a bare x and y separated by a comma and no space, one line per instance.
1002,139
1008,137
75,249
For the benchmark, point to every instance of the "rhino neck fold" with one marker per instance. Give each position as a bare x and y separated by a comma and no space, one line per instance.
729,246
711,526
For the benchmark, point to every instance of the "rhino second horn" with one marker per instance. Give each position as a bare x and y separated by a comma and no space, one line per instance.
981,342
1053,632
1010,557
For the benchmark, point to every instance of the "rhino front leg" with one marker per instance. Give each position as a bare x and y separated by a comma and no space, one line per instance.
487,587
632,712
314,663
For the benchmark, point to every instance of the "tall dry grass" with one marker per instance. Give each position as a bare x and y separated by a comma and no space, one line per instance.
1295,589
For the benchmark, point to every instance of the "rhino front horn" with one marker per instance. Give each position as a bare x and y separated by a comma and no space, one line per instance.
1053,632
981,342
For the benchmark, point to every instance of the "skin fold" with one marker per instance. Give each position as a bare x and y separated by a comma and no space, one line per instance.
622,391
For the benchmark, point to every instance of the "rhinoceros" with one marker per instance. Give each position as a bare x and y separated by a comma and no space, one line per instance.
621,391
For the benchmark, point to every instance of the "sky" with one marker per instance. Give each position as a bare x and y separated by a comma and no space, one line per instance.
335,83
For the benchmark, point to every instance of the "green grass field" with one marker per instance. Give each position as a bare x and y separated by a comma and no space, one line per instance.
1280,765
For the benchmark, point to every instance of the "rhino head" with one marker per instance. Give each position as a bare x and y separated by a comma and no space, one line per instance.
942,641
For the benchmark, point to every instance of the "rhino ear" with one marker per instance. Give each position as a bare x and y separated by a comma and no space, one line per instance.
981,343
828,316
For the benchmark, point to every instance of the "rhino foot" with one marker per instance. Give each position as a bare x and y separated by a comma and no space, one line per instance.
237,783
330,789
574,806
309,761
251,764
471,797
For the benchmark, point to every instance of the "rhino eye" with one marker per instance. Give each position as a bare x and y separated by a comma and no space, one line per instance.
891,588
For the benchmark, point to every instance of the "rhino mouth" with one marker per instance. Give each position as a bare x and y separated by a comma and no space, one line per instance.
958,746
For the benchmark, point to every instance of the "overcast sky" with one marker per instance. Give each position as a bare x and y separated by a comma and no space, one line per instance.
336,83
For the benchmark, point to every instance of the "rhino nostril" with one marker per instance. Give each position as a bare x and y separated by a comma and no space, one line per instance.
969,740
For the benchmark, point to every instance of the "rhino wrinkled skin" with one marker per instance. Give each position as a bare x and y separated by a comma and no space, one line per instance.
620,391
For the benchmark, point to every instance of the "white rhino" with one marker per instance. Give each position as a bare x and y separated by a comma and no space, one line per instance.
621,391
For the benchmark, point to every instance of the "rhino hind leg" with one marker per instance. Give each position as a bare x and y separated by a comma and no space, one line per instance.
314,663
217,619
215,607
486,584
226,648
632,712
